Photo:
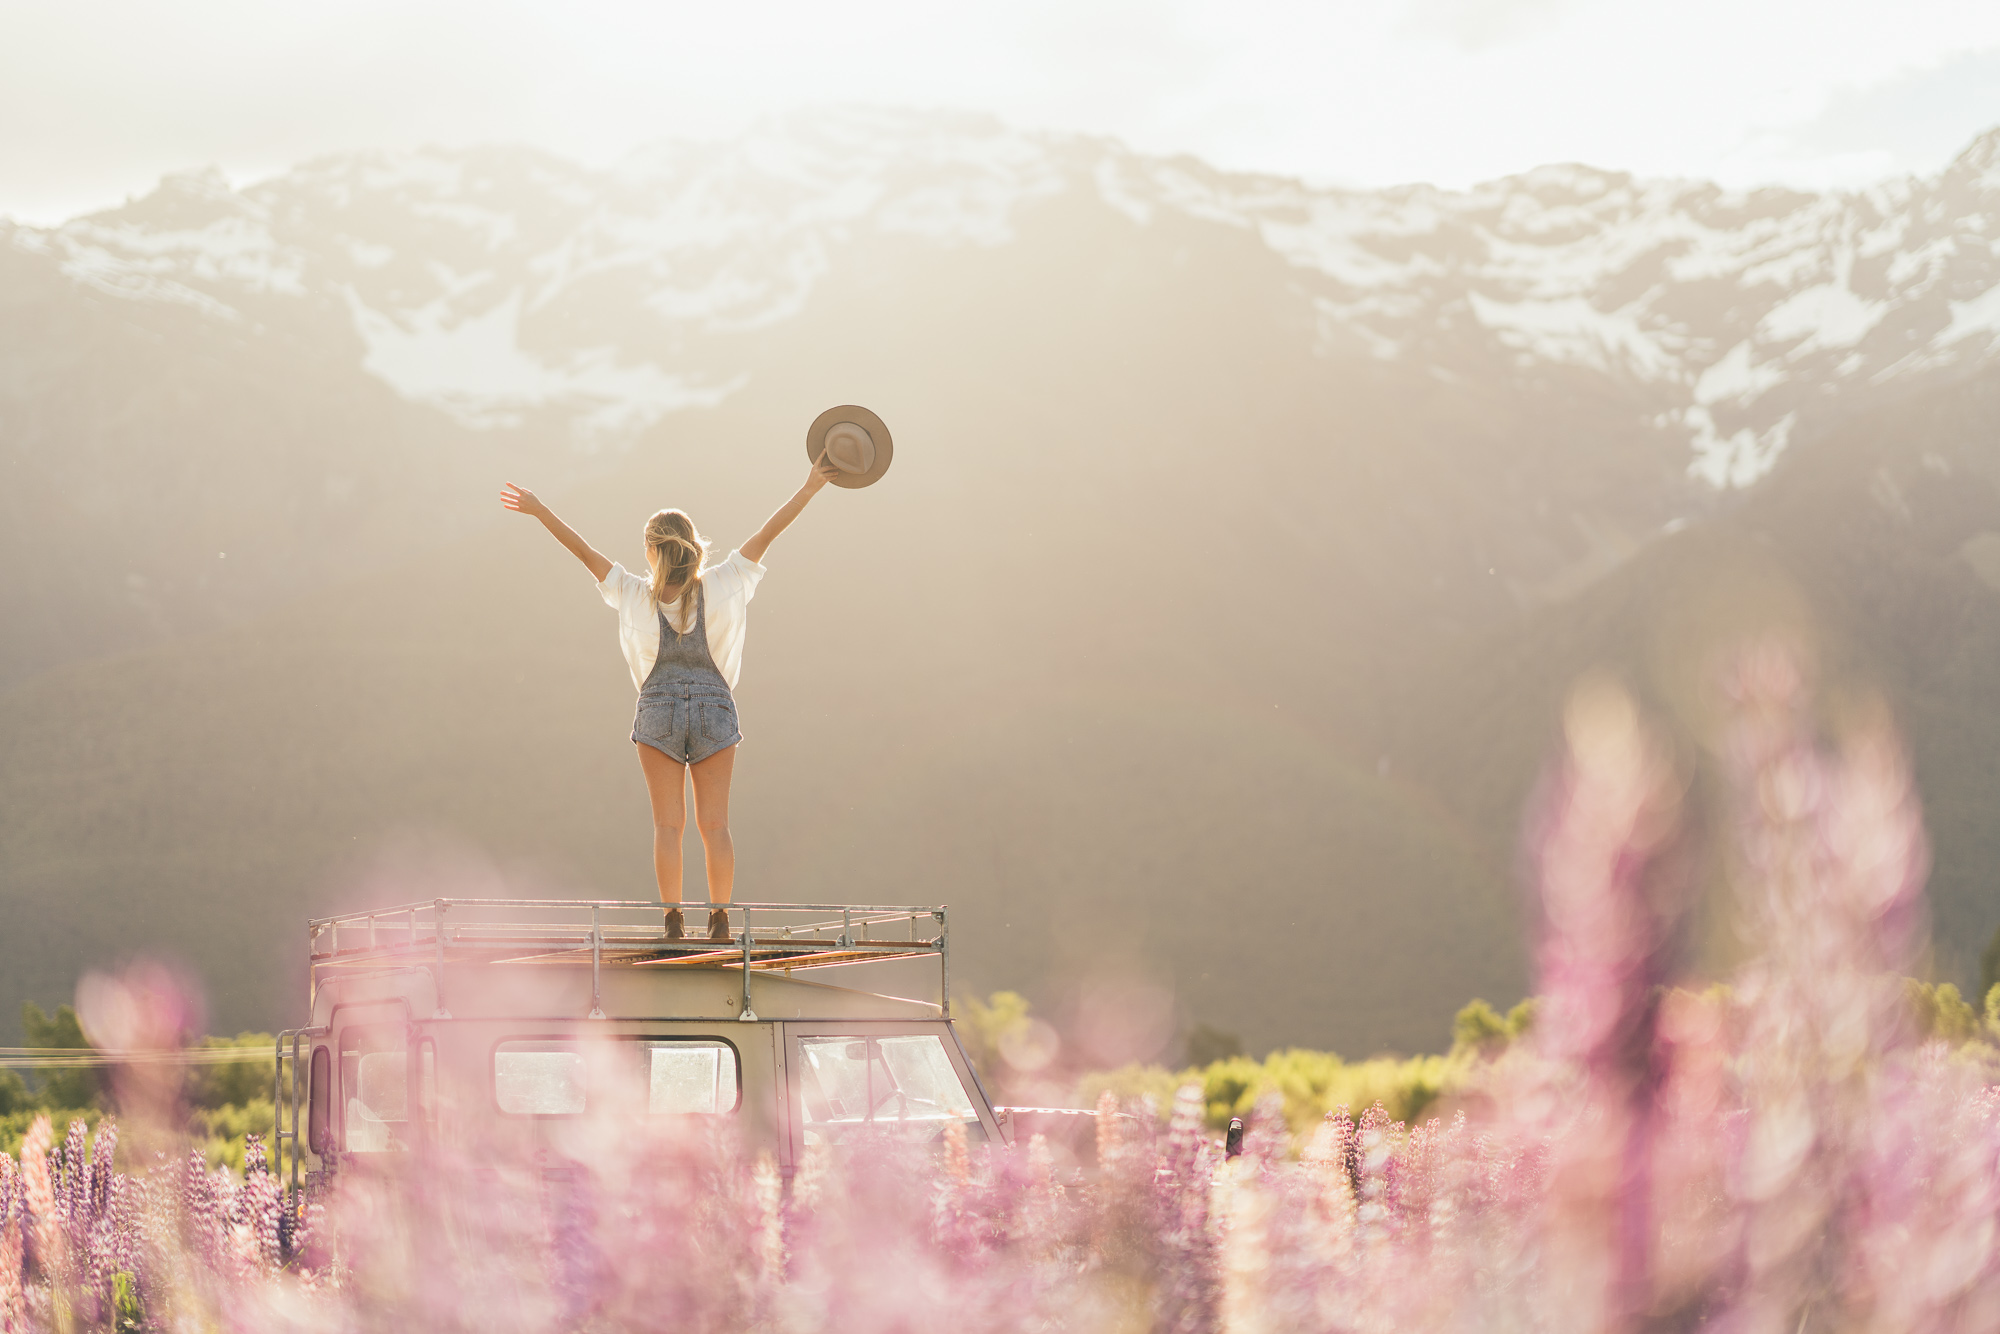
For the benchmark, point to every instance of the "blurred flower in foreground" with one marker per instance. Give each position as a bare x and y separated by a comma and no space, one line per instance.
146,1009
1611,891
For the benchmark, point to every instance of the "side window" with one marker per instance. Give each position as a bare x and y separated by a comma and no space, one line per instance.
684,1077
904,1083
538,1078
374,1082
560,1077
319,1098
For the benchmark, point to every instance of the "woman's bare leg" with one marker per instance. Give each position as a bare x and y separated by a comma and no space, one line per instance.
666,784
711,817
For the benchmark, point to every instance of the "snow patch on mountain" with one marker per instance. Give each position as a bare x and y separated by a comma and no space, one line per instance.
1979,316
1736,379
1828,315
474,368
1572,330
1739,458
494,283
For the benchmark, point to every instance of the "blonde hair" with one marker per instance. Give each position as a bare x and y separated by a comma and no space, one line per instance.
670,535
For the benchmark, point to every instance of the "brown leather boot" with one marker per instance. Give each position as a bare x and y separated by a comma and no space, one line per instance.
676,924
718,924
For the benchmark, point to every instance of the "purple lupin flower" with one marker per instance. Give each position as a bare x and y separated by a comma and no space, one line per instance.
198,1210
124,1212
92,1226
103,1152
262,1203
73,1184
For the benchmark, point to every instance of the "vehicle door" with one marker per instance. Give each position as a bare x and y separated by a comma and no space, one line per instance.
373,1082
904,1079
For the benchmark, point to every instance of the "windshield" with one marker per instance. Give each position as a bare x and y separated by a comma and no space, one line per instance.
905,1084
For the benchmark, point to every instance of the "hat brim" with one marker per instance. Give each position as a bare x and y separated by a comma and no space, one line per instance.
885,449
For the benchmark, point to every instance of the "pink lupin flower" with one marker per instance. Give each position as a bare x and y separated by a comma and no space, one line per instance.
1611,891
1192,1291
13,1209
43,1221
1109,1136
1831,860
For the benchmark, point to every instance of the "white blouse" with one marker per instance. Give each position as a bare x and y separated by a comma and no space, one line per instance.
727,587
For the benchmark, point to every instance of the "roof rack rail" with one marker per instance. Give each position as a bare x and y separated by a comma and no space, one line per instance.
626,933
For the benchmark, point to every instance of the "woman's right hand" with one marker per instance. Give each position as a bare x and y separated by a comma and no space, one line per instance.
522,501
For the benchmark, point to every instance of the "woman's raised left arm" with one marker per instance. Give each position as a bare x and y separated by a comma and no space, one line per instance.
760,541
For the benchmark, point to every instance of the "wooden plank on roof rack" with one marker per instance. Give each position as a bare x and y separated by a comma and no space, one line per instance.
829,960
705,957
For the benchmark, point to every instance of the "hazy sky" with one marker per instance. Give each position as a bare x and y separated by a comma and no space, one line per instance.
98,98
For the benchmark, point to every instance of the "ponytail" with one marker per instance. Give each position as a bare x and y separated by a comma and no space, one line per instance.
671,536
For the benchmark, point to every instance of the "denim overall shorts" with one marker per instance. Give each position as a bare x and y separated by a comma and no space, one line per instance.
685,709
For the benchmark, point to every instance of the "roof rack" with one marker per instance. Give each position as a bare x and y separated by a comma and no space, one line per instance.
625,933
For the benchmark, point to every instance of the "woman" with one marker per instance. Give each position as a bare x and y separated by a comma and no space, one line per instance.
682,632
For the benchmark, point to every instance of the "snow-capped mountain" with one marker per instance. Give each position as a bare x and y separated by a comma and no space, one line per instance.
492,283
1243,540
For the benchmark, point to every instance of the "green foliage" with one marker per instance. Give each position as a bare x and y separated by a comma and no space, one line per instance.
57,1087
14,1093
218,1130
983,1025
239,1082
14,1126
1481,1030
127,1313
221,1130
1941,1013
1311,1083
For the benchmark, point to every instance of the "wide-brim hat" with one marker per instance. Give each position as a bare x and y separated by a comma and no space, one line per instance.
855,441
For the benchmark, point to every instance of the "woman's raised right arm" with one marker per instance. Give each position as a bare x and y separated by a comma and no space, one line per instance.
523,501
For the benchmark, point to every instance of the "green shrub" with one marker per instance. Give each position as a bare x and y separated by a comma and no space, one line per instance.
238,1082
1941,1013
14,1126
1311,1083
14,1094
221,1130
1481,1030
983,1024
55,1086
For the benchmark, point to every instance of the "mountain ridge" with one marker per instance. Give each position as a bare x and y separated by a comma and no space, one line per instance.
1570,265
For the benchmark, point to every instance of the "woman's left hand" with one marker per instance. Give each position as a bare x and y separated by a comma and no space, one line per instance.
823,471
